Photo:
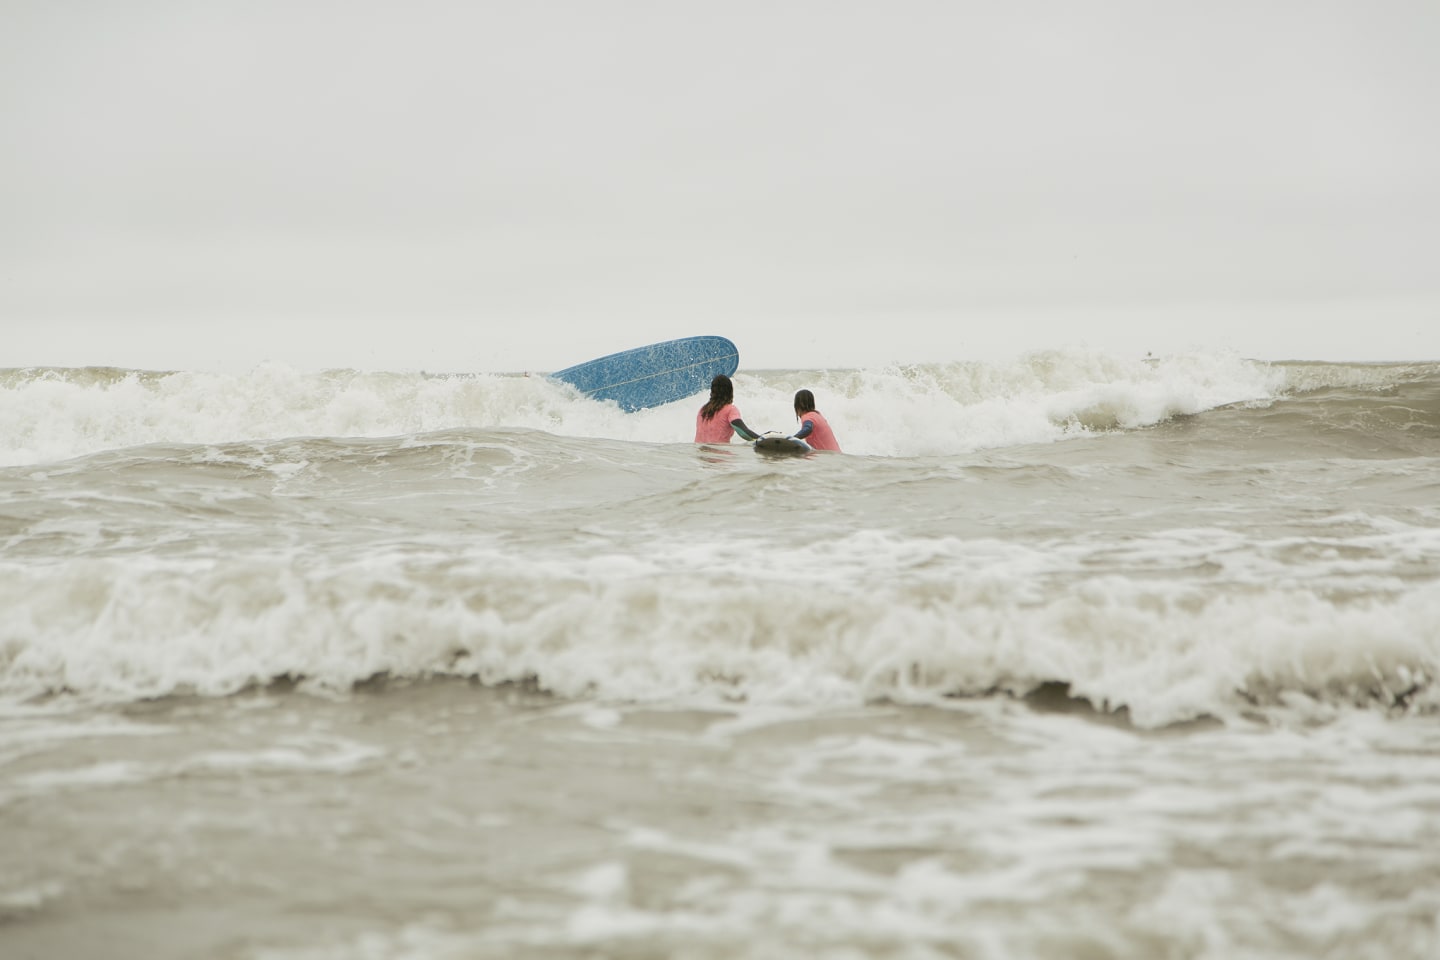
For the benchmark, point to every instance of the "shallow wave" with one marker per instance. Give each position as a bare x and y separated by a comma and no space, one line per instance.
1395,417
939,409
1304,377
949,619
1223,537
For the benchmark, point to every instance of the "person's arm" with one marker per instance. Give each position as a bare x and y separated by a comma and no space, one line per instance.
804,431
745,432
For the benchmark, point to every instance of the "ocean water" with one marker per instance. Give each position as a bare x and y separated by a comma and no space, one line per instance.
1072,655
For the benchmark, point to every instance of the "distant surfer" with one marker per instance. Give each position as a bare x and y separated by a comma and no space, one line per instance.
814,428
720,418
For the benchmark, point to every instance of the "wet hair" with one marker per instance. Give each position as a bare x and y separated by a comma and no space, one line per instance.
722,392
804,402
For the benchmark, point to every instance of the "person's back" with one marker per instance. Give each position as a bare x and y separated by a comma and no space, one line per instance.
719,418
814,428
716,428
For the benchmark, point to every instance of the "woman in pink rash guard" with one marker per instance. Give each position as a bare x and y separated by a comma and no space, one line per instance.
719,418
814,428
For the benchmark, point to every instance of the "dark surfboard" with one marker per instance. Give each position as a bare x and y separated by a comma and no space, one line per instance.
774,445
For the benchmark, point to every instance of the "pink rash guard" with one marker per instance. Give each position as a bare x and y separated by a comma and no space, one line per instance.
821,437
717,429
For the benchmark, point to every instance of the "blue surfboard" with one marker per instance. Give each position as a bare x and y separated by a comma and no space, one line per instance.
658,374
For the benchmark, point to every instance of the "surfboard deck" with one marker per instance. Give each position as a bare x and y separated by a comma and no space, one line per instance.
779,445
654,375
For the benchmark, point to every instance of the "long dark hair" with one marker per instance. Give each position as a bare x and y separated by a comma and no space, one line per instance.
722,392
804,402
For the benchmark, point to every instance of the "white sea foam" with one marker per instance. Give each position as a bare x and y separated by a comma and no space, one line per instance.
939,617
16,900
307,754
908,410
594,568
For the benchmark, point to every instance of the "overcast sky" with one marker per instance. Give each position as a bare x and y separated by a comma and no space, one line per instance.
524,185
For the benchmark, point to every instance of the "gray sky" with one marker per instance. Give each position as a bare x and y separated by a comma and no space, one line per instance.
525,185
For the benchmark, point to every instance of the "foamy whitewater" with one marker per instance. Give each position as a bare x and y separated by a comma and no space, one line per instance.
1072,655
